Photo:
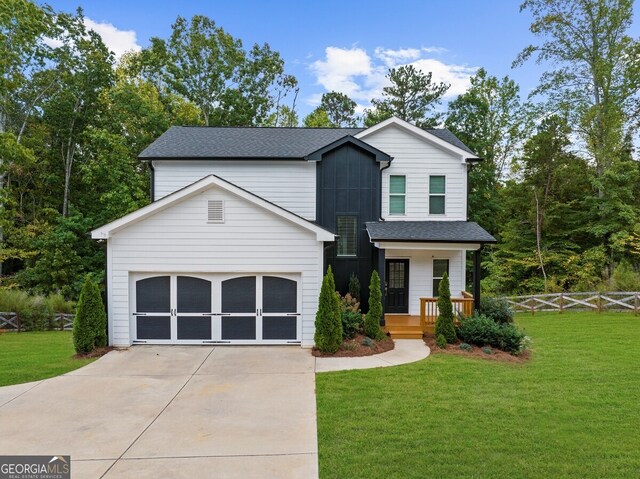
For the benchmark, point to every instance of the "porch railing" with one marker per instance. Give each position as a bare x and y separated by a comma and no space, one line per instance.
429,308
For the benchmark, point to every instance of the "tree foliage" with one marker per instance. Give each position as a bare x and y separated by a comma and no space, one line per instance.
374,315
444,321
412,96
90,322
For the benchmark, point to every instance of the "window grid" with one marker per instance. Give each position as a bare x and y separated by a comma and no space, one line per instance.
397,194
437,193
440,266
347,228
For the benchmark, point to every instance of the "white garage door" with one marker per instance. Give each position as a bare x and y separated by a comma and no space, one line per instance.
216,308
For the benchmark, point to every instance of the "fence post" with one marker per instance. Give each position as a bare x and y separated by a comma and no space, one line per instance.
18,322
599,302
561,303
635,304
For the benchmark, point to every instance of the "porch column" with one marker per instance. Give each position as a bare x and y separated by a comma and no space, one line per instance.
383,280
476,278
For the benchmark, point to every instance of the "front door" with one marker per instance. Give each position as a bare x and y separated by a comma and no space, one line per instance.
397,286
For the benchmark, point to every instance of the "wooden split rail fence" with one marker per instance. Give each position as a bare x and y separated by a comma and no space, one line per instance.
11,322
614,301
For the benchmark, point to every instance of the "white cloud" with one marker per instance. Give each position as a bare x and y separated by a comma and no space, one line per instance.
118,41
361,76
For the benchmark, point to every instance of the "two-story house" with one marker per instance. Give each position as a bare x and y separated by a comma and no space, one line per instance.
245,221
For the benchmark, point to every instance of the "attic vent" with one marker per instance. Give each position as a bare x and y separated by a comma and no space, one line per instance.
215,211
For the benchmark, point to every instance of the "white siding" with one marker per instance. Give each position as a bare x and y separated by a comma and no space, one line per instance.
289,184
421,273
417,159
179,240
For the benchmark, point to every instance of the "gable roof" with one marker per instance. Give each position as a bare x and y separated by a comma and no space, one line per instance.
250,142
441,138
104,232
428,232
379,155
204,142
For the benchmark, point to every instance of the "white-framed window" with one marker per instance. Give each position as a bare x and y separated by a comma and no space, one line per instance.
437,193
347,229
397,194
440,267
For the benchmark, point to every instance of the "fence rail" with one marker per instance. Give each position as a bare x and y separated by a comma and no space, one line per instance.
593,301
11,322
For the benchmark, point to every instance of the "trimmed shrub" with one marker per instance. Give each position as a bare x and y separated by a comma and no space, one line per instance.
328,335
481,331
351,324
487,350
444,323
441,341
496,309
368,342
373,317
354,286
89,325
466,347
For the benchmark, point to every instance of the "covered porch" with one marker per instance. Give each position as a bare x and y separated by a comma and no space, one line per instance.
413,257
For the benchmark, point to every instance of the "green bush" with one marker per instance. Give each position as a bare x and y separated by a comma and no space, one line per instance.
36,313
441,341
444,322
354,286
496,309
368,342
372,320
351,324
466,347
89,324
328,335
487,350
481,331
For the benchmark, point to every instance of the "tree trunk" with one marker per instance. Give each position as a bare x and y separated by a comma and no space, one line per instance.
539,237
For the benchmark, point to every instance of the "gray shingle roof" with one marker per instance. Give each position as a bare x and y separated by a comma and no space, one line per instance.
262,142
232,142
429,231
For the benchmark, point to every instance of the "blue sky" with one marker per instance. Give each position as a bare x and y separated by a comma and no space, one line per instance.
345,45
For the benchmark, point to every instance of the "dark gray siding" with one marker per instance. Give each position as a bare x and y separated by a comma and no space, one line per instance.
348,183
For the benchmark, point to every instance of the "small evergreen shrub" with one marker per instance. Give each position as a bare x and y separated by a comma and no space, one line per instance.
481,331
441,341
496,309
354,286
328,335
466,347
368,342
444,322
90,322
373,317
487,350
349,346
351,324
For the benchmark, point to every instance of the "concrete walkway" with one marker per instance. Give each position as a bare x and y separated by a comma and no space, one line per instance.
173,411
405,351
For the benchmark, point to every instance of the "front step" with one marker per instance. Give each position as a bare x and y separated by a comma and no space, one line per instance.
405,335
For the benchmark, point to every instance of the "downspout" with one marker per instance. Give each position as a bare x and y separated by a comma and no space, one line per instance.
382,270
152,186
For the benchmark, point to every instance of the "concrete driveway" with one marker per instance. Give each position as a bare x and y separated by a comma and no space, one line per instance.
173,411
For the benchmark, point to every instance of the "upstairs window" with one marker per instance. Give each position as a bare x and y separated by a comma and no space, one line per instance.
347,229
397,194
437,187
440,267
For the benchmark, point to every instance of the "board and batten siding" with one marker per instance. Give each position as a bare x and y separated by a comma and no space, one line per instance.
421,273
180,240
417,159
289,184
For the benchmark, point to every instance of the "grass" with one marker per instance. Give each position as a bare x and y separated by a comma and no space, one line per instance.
572,411
33,356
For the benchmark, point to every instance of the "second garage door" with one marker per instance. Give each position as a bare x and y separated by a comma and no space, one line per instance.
197,309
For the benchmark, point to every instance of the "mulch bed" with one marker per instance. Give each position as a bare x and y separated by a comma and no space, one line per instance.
96,353
476,352
352,348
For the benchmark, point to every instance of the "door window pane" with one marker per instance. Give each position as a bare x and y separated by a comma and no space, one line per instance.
348,235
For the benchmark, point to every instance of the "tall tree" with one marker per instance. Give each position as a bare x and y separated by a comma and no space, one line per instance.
318,118
490,119
340,109
412,96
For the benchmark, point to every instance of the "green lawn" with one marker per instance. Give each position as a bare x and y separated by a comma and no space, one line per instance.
32,356
572,411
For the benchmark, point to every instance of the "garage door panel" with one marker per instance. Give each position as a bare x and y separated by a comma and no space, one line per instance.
279,295
193,295
279,327
153,327
190,327
153,295
239,295
239,328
